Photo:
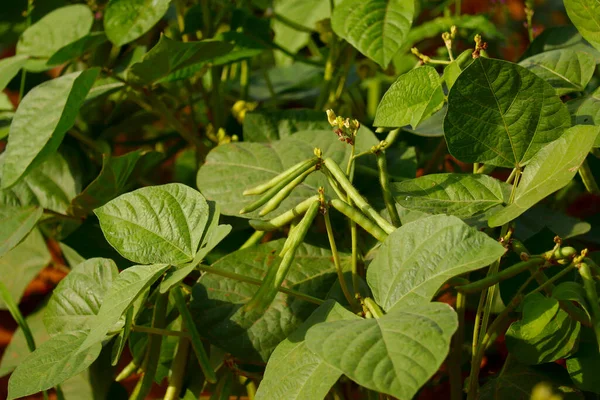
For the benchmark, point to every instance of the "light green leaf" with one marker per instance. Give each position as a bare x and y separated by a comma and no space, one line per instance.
7,111
456,67
19,266
51,33
9,68
377,28
585,15
550,170
53,362
77,48
112,181
395,354
124,290
268,126
77,298
502,114
170,56
233,167
566,70
417,258
545,334
296,373
41,121
16,223
51,185
217,301
414,96
157,224
462,195
127,20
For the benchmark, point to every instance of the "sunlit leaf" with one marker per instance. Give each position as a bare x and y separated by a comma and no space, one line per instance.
127,20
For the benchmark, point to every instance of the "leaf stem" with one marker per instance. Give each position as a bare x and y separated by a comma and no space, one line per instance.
506,273
157,331
14,311
253,239
589,285
587,177
456,350
177,371
373,307
384,180
336,261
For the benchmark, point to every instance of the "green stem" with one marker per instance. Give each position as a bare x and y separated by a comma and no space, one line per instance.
177,370
158,331
328,74
132,367
14,311
390,203
291,24
250,387
217,107
253,239
475,167
336,261
153,355
188,321
588,178
589,285
257,282
455,357
244,79
506,273
373,307
206,20
457,7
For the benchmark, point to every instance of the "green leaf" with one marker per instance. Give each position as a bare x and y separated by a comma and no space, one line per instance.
432,126
550,170
22,264
417,258
586,110
51,33
157,224
113,179
16,223
414,96
53,362
233,167
456,67
46,113
217,301
77,48
462,195
293,371
124,290
545,334
572,291
268,126
127,20
583,365
559,37
170,56
539,217
9,68
77,298
377,28
502,114
51,185
566,70
395,354
585,15
7,111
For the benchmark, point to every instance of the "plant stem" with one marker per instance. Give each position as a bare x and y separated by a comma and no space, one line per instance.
455,357
14,311
217,107
588,178
589,285
244,79
328,74
506,273
373,307
258,282
253,239
390,203
177,371
201,356
154,342
157,331
336,261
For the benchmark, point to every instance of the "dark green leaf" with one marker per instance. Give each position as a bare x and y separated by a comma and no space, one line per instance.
267,126
432,126
502,114
77,298
170,56
127,20
585,15
377,28
16,223
549,170
171,218
395,354
293,371
583,366
559,37
462,195
572,291
417,258
586,111
539,217
53,32
566,70
41,121
77,48
414,97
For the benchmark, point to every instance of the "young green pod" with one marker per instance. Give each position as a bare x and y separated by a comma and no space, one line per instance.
279,186
285,192
360,202
355,215
285,218
263,187
268,289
